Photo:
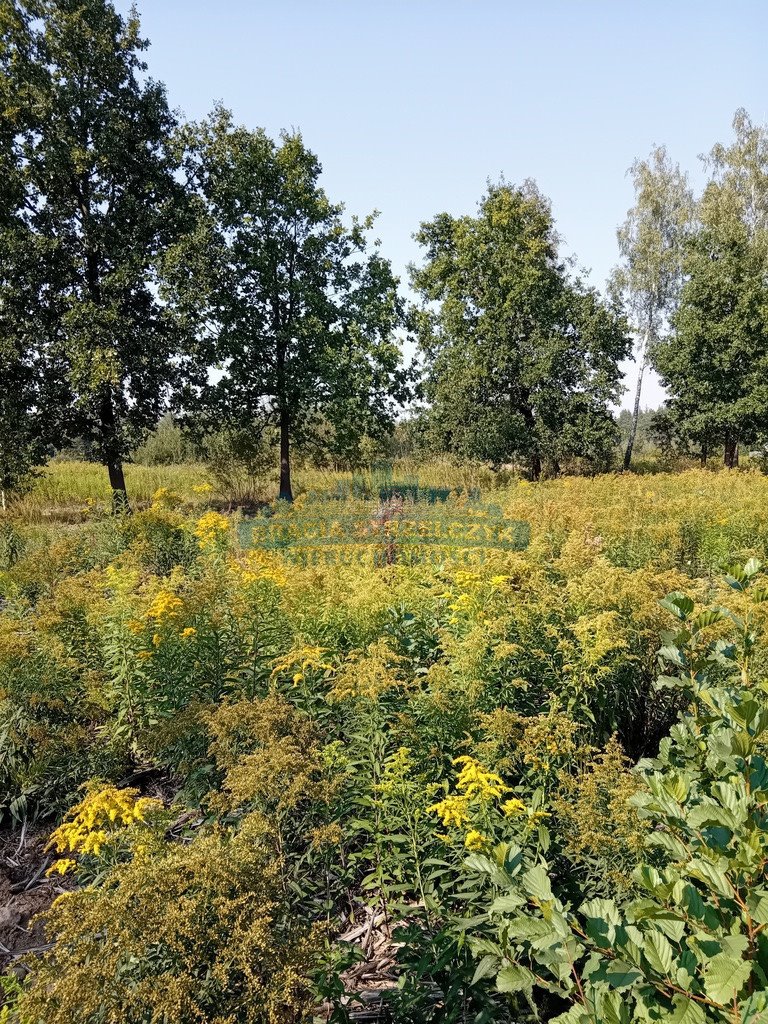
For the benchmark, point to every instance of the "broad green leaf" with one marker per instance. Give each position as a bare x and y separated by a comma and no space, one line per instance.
754,1009
659,953
507,904
536,883
616,973
673,654
757,903
613,1008
709,813
514,978
598,909
576,1015
679,604
706,618
686,1011
724,977
710,875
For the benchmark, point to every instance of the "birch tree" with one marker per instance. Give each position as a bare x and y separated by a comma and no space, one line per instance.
649,278
715,365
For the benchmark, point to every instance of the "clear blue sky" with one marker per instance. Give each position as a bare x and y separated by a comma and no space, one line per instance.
411,106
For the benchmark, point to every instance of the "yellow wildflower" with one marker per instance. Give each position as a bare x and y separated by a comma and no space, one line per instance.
211,529
61,867
475,840
165,605
513,808
476,781
453,810
188,632
93,822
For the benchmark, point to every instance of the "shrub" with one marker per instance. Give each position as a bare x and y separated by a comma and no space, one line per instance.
200,932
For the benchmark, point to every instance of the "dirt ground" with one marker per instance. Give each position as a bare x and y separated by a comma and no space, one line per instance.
24,893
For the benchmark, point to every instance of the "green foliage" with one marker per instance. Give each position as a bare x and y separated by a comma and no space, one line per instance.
167,445
241,461
714,364
96,203
521,360
198,932
690,945
281,293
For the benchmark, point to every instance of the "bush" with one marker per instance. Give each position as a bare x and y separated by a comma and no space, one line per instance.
199,931
167,445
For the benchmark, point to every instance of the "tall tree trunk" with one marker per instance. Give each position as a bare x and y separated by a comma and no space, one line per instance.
731,452
112,457
286,493
535,466
704,454
117,483
636,410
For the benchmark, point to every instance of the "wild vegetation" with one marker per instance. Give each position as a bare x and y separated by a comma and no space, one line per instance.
284,772
463,725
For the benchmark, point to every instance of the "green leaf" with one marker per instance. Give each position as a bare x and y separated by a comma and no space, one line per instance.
507,904
486,966
754,1009
679,604
673,654
724,977
576,1015
598,909
710,875
613,1008
536,883
709,813
659,953
707,618
757,903
686,1011
515,978
616,973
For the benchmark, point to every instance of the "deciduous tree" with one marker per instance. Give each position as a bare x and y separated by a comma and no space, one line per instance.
98,203
715,365
287,302
521,359
651,245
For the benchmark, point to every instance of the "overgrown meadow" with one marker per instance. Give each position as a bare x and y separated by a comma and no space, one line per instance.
476,756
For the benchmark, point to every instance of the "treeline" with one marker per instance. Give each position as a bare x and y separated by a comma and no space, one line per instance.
149,265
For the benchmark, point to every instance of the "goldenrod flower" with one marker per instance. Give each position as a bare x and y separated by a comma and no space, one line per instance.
61,867
211,528
453,810
475,840
513,808
476,781
165,605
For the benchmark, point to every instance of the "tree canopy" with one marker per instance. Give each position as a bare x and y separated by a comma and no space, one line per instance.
521,359
287,301
715,364
94,202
